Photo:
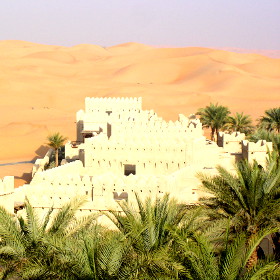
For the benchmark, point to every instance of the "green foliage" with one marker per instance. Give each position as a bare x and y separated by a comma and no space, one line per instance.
271,120
251,197
199,258
56,141
215,117
30,244
158,239
147,230
240,122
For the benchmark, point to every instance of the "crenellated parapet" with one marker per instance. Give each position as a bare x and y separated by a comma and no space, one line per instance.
231,142
103,191
7,193
60,171
150,153
256,151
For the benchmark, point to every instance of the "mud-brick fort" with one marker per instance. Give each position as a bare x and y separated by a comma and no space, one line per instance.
121,149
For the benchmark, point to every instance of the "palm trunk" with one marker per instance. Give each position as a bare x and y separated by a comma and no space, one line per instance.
212,134
217,133
252,260
254,257
56,157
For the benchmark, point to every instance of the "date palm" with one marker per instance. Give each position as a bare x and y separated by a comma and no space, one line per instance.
250,197
198,255
271,120
147,230
240,122
30,244
96,253
214,117
56,141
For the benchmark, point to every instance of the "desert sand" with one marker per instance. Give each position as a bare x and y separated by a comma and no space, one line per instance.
42,86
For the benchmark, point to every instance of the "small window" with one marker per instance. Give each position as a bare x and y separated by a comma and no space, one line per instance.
129,169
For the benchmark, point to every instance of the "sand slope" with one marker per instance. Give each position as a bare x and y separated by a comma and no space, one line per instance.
42,87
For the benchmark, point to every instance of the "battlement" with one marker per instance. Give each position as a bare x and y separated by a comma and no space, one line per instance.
256,151
61,171
102,191
260,146
231,142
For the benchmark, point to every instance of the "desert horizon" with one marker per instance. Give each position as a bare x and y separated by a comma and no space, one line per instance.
43,86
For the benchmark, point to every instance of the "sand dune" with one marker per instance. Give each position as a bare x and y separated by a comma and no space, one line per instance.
42,87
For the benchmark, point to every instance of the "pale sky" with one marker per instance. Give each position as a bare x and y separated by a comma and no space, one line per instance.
249,24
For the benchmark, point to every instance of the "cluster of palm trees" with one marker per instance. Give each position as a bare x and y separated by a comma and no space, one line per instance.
217,118
156,238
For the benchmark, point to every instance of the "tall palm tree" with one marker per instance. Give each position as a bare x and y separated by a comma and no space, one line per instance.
271,120
147,230
56,141
240,122
214,116
250,197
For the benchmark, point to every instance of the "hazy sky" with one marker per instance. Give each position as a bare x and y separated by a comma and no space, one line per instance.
251,24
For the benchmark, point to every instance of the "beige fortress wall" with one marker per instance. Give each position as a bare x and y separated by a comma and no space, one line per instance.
7,193
104,190
151,156
167,157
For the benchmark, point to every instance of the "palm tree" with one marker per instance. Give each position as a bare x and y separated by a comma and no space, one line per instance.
96,253
271,120
240,122
56,141
214,116
198,255
250,197
147,230
31,244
